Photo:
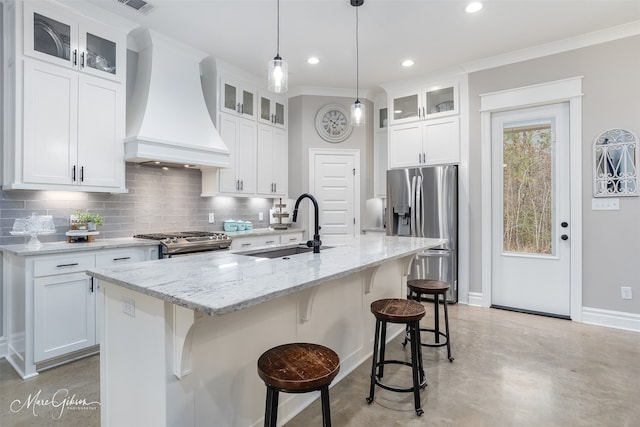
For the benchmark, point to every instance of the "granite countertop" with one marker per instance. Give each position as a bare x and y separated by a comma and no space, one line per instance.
62,247
218,283
262,232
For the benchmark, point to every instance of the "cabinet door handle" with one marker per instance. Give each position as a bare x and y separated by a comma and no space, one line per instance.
246,244
292,239
82,174
82,60
73,264
73,173
122,258
238,185
75,57
275,187
242,185
238,107
242,108
92,285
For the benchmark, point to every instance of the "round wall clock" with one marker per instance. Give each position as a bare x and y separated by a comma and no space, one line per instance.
333,123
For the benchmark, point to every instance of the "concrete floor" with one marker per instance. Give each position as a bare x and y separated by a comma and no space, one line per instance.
510,369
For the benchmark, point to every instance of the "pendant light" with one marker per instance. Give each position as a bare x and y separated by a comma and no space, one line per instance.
357,109
278,79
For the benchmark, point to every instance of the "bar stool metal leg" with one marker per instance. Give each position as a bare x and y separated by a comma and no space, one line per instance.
326,410
414,329
271,407
383,347
436,315
446,327
376,342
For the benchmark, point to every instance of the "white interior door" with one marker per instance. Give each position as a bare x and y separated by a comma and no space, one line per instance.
530,210
334,186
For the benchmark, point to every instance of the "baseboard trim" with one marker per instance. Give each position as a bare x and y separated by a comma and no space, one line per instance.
3,347
475,299
611,319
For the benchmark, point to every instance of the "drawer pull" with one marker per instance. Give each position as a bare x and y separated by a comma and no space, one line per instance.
67,265
270,241
122,258
247,244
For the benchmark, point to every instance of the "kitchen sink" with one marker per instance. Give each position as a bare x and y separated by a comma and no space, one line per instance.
279,252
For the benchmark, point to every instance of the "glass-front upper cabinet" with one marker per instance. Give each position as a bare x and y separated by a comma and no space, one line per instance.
381,112
237,98
64,38
432,102
440,101
273,110
405,107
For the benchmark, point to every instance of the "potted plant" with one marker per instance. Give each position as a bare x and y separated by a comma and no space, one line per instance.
86,220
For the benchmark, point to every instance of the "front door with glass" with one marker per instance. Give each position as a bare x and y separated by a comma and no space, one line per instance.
531,242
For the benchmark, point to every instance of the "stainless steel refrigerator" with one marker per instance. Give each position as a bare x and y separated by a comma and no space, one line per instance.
423,202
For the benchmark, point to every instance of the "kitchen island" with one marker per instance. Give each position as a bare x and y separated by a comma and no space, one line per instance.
180,337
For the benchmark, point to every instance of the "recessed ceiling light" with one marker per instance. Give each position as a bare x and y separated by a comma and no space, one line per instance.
473,7
397,111
407,63
313,60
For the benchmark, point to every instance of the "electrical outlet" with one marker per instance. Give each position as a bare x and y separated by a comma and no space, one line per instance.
129,306
626,292
260,216
212,218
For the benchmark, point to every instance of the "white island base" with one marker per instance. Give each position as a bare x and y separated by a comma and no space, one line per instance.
166,365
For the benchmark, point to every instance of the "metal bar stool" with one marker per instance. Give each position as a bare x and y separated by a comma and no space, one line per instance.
398,311
297,368
436,288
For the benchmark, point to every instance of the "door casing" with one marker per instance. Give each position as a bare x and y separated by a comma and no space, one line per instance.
567,90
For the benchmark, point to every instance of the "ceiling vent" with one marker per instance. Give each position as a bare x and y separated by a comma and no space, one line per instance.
139,5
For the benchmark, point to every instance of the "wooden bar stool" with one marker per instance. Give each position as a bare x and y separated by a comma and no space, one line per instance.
407,312
436,288
297,368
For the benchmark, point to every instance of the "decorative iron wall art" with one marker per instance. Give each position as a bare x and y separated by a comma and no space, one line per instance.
615,164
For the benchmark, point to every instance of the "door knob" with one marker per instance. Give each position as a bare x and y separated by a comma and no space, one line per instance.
564,237
564,224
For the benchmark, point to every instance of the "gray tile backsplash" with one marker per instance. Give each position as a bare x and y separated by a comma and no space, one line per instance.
158,200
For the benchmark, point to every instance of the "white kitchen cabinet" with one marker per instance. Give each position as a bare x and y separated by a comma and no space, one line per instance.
64,38
381,163
426,143
272,162
431,102
273,110
63,126
64,309
271,239
73,129
239,135
380,146
290,238
237,98
52,304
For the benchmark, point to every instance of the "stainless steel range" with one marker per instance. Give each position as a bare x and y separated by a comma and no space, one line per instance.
189,242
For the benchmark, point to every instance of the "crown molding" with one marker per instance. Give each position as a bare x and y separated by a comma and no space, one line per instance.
329,91
614,33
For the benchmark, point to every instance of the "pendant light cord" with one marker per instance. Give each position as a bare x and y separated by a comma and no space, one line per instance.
357,58
278,31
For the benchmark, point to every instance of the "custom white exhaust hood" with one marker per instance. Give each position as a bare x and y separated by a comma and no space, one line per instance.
167,119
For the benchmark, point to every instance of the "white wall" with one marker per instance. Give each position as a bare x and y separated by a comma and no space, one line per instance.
303,136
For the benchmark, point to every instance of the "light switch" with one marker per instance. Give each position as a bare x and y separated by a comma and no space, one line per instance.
605,204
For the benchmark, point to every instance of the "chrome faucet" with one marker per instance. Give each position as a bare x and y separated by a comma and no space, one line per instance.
316,242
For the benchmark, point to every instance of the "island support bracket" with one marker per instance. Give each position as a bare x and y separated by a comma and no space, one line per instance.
182,328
